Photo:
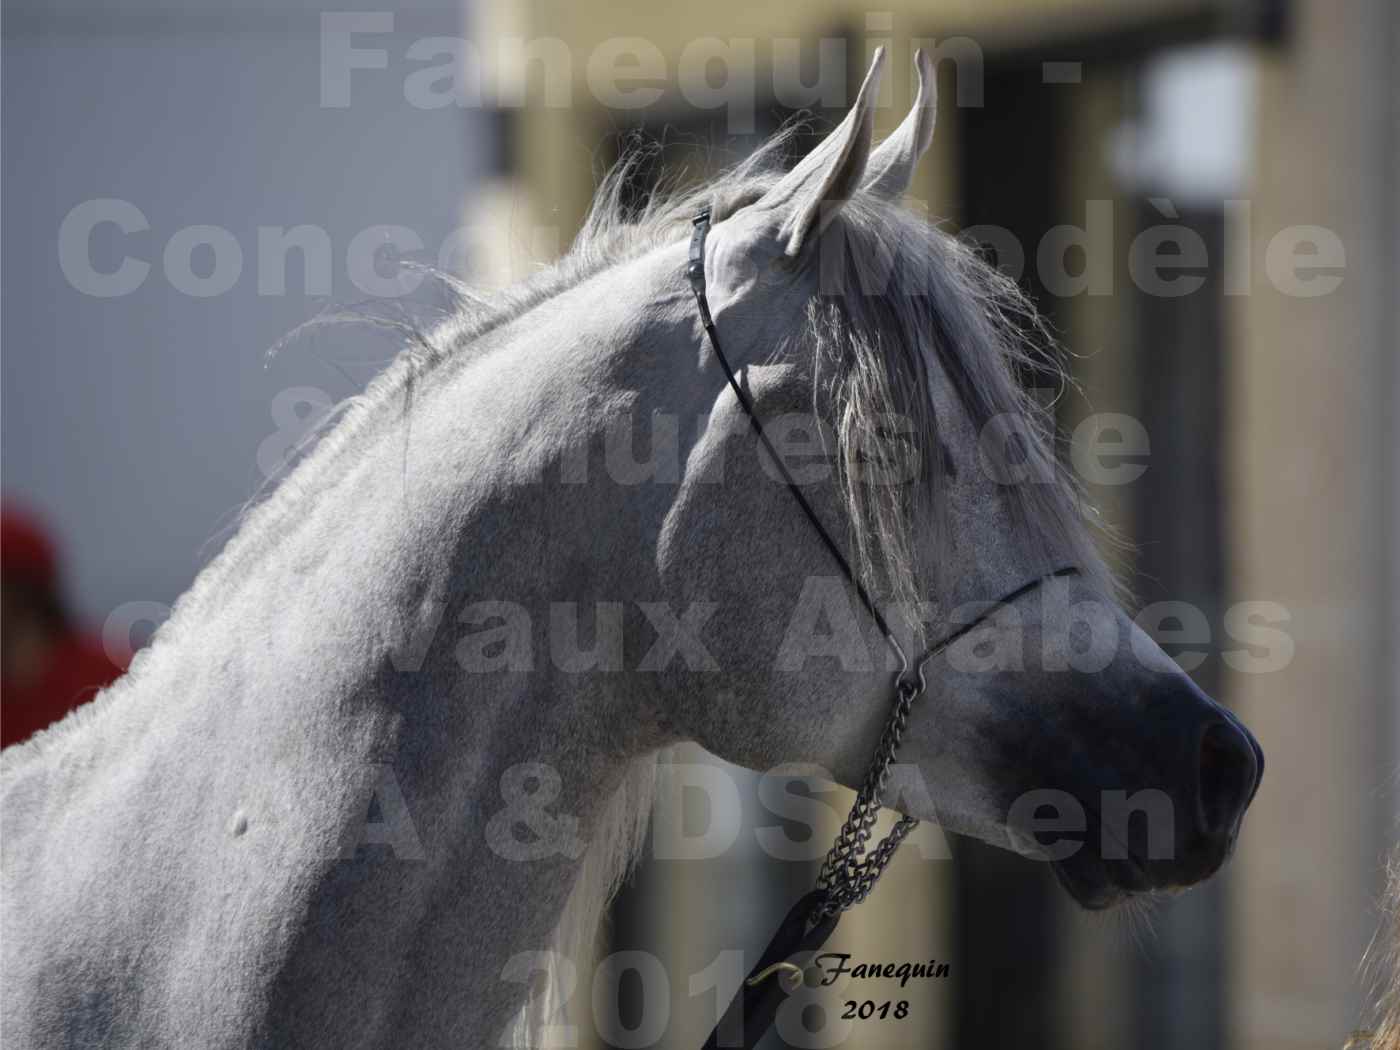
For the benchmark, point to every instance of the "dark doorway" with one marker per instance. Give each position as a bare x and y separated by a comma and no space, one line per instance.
1006,937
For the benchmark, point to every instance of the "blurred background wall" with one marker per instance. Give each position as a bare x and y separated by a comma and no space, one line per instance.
1271,476
138,423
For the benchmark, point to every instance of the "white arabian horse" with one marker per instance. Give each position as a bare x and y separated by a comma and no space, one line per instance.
290,824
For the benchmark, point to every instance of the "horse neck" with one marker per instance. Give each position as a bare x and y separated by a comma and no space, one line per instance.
361,830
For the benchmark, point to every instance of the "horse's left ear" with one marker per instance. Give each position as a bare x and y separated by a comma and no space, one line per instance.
811,194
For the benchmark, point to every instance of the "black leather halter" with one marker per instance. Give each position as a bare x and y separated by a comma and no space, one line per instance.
852,866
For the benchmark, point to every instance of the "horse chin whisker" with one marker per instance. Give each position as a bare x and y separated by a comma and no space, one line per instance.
1135,916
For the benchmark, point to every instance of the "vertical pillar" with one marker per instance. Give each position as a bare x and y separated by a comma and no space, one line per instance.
1312,470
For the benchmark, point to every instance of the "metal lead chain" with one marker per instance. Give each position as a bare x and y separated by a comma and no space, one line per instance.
850,870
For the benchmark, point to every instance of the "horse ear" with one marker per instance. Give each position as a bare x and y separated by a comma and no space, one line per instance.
810,195
891,167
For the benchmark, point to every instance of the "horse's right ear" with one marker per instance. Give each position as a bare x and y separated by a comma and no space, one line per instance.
810,195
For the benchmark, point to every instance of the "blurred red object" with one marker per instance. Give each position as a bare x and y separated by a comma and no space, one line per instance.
25,551
47,665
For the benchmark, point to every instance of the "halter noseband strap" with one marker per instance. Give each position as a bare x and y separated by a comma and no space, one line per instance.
852,866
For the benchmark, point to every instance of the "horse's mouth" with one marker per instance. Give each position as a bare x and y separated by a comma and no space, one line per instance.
1097,882
1107,870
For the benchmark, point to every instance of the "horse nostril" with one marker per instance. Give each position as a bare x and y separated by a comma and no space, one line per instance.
1229,772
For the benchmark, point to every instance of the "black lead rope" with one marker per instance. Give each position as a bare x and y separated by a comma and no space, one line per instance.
755,1005
851,867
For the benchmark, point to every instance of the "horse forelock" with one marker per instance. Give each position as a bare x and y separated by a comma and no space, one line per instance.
904,302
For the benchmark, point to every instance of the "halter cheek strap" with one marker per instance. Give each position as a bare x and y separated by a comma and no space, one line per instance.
695,270
852,866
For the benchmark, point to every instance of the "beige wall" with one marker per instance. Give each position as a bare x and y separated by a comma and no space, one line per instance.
1312,476
672,26
559,143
